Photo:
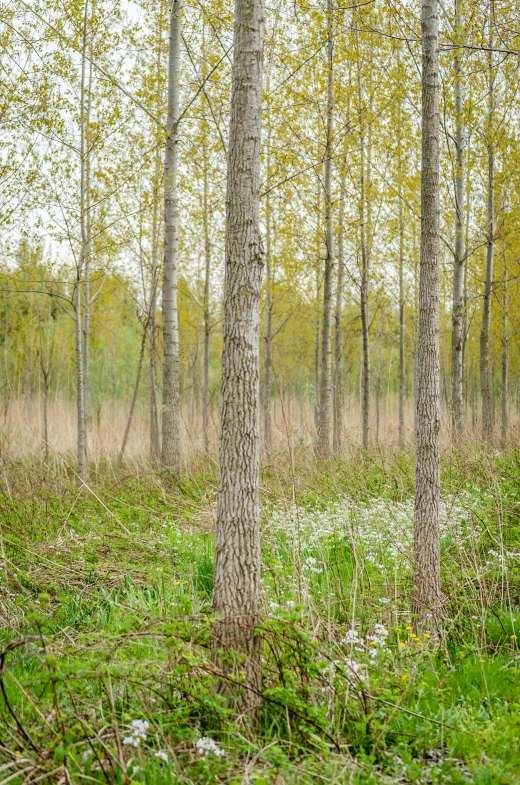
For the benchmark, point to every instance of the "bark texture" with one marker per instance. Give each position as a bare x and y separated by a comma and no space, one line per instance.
171,442
426,578
236,597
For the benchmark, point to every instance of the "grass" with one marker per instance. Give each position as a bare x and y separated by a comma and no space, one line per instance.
105,604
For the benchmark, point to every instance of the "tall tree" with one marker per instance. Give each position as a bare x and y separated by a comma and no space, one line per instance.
80,267
485,382
325,410
457,375
426,577
337,439
171,441
236,596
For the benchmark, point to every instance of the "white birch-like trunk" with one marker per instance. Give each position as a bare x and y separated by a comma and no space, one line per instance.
80,379
268,331
426,576
325,409
207,315
236,596
337,438
457,345
171,442
505,362
485,383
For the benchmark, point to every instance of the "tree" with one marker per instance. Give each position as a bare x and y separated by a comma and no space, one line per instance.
324,421
426,577
171,442
485,382
236,596
457,375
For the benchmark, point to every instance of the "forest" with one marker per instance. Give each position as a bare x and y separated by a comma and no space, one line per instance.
259,392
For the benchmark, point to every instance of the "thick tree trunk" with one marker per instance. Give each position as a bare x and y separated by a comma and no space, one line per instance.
426,577
325,419
337,439
171,442
485,384
457,369
236,596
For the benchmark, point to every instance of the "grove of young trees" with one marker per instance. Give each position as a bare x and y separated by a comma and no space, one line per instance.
231,234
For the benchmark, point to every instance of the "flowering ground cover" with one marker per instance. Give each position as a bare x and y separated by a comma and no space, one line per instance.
106,672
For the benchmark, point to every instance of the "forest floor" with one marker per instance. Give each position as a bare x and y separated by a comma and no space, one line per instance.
105,604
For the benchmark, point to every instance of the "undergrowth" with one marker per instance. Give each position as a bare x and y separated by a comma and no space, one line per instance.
106,673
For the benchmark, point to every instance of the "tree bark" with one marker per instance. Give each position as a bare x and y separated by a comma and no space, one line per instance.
171,442
324,421
236,596
485,384
426,577
457,370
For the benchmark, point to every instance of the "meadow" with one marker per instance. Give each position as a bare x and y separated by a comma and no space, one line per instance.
106,674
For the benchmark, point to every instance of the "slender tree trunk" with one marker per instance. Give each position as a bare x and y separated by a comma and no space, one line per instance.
365,338
505,361
268,332
457,376
426,577
338,336
80,385
207,320
236,596
485,384
155,447
402,369
171,442
325,420
134,397
88,252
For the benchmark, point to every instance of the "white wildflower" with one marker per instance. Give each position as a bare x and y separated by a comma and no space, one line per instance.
162,755
207,745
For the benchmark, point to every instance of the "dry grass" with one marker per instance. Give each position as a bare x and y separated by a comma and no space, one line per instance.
21,429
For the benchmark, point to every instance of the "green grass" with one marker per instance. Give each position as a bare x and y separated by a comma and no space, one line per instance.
107,598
